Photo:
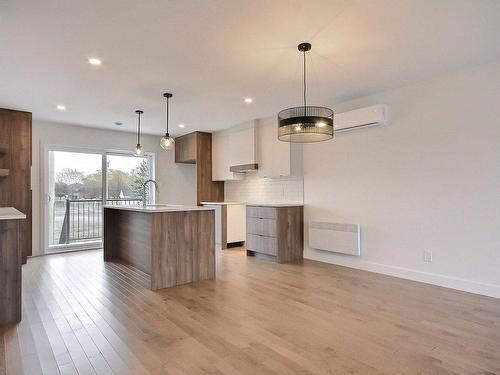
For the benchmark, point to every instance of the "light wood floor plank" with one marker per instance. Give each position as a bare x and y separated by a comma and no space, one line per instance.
82,315
101,356
13,361
3,363
141,324
121,357
60,311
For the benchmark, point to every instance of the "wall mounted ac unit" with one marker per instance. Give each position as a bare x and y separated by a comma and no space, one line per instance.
361,118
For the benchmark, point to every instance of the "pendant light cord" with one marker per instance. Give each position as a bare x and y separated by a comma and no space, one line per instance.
305,85
167,113
139,129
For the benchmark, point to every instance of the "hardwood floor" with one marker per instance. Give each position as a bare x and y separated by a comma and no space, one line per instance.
84,316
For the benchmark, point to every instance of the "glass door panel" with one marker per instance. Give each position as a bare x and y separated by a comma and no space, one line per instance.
74,197
124,178
74,186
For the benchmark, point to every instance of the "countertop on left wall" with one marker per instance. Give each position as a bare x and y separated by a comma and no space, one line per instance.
10,213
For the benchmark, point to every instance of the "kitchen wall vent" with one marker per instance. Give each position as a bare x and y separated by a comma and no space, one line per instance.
244,168
335,237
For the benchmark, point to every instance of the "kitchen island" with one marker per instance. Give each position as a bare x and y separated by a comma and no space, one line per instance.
173,244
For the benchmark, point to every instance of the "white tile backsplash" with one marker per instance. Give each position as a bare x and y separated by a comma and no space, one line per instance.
265,190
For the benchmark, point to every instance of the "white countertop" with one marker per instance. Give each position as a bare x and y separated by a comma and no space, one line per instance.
159,208
221,203
277,204
10,213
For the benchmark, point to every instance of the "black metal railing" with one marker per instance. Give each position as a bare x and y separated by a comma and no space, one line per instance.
83,218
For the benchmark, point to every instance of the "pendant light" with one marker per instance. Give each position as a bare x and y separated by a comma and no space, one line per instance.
167,142
139,151
305,124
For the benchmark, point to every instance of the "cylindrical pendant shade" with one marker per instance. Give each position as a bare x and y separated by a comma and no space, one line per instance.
305,124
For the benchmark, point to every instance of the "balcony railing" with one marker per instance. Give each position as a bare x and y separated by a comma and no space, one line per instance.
83,218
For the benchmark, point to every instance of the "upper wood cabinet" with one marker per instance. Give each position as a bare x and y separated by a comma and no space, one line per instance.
185,149
196,148
15,169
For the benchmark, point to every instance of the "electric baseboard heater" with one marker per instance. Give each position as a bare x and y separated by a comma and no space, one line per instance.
335,237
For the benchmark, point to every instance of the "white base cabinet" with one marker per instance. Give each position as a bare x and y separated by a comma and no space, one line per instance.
230,222
236,223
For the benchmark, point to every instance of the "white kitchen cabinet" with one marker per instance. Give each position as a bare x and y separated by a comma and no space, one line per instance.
236,223
254,142
274,157
220,159
232,147
230,222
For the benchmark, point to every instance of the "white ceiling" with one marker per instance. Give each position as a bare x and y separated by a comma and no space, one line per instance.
212,54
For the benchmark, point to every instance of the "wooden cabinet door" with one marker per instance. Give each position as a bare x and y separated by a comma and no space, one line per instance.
15,188
185,149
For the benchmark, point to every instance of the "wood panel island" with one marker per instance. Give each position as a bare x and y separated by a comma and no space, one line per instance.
173,244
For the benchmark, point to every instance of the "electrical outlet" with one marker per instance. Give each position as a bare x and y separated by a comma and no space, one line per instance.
427,256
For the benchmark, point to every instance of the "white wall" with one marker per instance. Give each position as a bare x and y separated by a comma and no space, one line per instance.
177,182
428,181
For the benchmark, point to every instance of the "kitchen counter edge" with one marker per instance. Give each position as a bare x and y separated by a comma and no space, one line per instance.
160,209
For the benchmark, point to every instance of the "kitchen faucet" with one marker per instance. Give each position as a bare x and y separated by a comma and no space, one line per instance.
144,197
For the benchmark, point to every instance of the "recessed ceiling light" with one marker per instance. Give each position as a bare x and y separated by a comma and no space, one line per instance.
118,123
94,61
181,126
61,107
248,100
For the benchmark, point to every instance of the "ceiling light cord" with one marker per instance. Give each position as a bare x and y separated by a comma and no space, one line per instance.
139,129
305,85
166,108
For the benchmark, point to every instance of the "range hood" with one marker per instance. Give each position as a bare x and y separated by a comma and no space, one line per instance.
244,168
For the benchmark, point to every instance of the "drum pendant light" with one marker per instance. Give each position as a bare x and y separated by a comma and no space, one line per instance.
139,151
305,124
167,142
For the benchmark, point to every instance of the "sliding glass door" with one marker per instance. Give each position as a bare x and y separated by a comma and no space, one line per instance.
125,177
77,185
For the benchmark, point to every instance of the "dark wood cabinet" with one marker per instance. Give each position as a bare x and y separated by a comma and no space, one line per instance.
196,148
185,149
276,231
10,272
15,170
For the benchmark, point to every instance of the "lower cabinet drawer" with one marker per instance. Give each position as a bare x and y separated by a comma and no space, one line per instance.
262,244
261,212
264,227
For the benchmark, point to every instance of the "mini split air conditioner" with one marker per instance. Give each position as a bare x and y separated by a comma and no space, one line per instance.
360,118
